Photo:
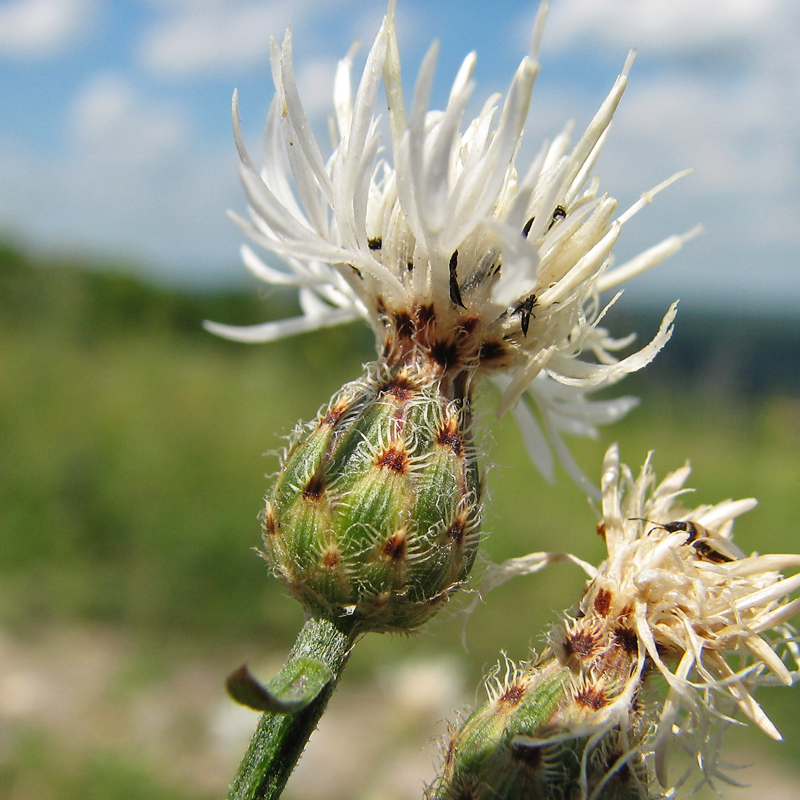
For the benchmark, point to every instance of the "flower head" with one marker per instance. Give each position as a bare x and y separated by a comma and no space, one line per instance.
458,260
675,599
710,619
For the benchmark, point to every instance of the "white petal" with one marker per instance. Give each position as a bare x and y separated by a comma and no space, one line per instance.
535,441
771,593
343,91
280,329
580,373
587,265
645,260
601,120
520,270
762,650
295,116
275,277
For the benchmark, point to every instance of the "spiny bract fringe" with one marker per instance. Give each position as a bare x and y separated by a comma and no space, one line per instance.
567,727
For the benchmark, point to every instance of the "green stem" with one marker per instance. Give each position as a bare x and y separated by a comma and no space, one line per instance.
280,738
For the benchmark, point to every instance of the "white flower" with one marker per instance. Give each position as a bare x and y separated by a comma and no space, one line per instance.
453,256
709,619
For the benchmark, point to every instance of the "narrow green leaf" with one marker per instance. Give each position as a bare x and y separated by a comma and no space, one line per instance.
291,690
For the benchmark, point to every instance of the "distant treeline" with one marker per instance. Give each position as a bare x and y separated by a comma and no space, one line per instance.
711,352
722,354
109,296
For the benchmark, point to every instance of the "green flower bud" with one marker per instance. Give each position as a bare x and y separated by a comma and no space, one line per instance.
376,508
567,727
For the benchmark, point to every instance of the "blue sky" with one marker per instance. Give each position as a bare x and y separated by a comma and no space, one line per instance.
115,121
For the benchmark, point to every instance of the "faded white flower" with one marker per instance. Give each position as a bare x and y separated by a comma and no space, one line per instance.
675,598
454,256
709,618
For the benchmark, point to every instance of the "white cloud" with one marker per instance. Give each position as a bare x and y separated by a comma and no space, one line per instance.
131,182
664,25
166,216
42,28
740,139
203,36
113,120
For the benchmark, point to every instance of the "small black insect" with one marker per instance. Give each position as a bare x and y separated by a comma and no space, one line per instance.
558,214
525,308
527,227
455,291
701,539
691,528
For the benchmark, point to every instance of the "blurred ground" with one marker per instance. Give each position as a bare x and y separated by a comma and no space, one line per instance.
77,724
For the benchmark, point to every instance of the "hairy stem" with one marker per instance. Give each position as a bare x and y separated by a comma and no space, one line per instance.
279,739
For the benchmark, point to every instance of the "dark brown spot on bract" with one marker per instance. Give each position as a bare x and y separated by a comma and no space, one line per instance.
375,244
627,639
330,558
334,414
315,486
403,324
580,643
444,353
399,387
601,529
394,548
394,458
456,531
602,602
426,314
513,695
270,523
530,757
465,792
491,351
592,697
468,324
450,436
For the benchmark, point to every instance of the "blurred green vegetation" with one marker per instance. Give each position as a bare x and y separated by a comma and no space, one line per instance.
132,467
133,450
